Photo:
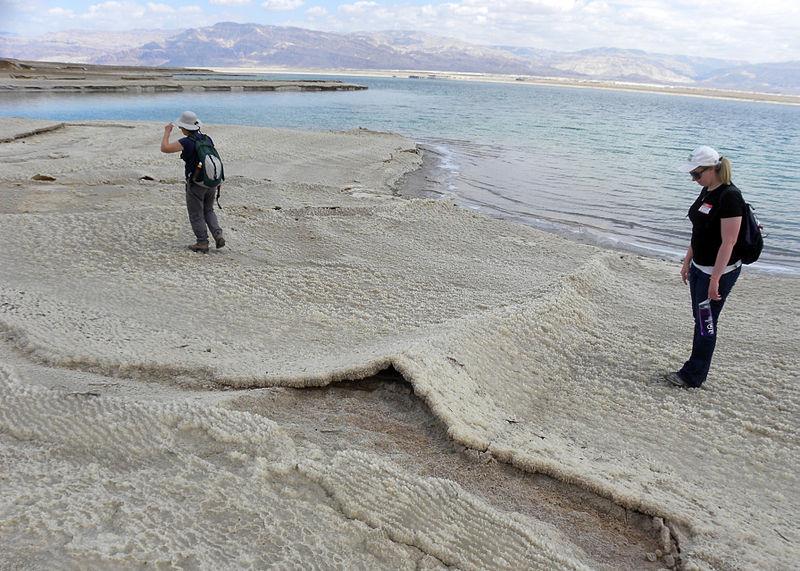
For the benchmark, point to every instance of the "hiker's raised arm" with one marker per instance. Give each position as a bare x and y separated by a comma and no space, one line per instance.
166,146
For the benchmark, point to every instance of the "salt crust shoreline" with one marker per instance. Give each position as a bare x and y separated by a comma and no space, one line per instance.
74,77
542,352
42,77
684,91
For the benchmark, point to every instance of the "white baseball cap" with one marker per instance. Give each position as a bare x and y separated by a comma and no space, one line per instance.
701,157
188,120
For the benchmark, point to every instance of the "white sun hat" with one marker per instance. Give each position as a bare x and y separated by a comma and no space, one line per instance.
188,120
701,157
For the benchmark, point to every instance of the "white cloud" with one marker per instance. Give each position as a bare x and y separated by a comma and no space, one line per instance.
229,2
466,10
61,13
121,15
282,5
526,6
360,7
114,11
736,29
160,8
8,7
597,8
316,12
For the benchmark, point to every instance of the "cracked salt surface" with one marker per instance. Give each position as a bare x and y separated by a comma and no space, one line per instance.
488,320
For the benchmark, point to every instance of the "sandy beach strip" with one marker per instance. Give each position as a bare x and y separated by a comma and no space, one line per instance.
158,406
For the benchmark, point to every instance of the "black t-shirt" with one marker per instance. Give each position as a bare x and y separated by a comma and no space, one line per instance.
189,153
710,207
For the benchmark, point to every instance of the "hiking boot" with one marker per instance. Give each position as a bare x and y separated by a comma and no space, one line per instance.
219,240
676,379
201,247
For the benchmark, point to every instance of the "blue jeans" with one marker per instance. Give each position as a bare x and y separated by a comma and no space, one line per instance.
695,370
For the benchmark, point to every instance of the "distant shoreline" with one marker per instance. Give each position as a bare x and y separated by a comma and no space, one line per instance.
37,76
707,93
18,76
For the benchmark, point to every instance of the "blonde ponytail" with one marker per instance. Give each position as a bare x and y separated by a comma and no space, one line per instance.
725,170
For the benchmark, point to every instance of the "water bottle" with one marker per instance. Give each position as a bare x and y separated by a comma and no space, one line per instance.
706,319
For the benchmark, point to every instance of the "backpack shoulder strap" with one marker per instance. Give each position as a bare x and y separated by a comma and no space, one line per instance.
733,188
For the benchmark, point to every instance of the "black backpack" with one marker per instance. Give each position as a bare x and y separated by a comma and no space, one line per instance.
750,242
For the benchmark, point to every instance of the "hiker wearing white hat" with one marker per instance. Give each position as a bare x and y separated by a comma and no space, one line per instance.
702,157
711,265
199,197
188,120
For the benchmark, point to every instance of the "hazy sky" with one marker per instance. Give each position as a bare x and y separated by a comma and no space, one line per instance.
753,30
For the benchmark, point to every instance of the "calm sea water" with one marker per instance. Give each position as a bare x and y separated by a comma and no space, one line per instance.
595,164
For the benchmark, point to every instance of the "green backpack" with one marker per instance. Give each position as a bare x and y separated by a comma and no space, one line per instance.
209,171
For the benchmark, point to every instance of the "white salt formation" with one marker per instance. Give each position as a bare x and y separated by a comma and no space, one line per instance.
543,352
101,482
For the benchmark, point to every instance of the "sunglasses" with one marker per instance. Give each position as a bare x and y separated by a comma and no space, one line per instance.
697,173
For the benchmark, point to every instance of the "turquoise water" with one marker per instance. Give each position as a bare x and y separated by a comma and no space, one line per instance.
598,165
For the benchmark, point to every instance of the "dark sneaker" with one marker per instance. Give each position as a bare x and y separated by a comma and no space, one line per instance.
201,247
676,379
219,241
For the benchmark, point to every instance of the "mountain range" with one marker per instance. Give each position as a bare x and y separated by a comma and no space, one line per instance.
229,44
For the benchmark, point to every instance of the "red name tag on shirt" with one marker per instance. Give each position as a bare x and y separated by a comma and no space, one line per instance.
705,208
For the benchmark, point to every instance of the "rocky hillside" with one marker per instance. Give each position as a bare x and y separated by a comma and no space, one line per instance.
232,44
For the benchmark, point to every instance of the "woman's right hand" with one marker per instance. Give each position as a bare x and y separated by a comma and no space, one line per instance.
685,272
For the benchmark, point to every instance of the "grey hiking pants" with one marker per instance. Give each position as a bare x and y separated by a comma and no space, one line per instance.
200,205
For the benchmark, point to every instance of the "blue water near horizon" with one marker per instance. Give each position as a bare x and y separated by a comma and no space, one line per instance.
598,165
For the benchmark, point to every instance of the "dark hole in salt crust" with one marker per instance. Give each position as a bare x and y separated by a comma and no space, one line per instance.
382,415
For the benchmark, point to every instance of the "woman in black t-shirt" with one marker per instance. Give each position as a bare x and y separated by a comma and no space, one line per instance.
711,266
